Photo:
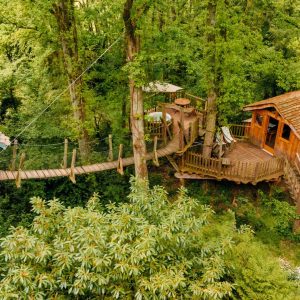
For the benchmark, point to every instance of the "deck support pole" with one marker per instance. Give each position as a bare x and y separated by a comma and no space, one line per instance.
220,146
72,171
155,156
164,128
65,159
120,168
21,164
14,155
110,151
181,130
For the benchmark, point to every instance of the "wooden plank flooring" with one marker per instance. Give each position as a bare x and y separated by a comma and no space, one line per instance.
247,152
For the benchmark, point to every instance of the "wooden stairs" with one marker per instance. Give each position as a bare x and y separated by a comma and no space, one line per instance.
292,179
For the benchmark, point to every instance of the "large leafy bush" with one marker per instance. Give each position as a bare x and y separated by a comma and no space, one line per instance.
148,248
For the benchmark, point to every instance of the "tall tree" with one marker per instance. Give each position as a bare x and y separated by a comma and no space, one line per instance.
132,37
211,79
64,12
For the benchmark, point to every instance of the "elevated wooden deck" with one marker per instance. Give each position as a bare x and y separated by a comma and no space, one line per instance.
247,152
247,164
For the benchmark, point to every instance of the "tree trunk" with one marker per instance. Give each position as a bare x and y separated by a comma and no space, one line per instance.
210,125
64,13
211,80
136,97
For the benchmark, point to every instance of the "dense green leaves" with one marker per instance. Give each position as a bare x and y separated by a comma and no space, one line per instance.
149,248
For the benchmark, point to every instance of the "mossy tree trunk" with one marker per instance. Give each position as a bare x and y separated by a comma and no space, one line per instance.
136,97
211,80
64,12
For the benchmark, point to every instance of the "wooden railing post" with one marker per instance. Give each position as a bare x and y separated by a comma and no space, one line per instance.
65,159
72,171
14,155
221,146
120,169
110,153
155,156
21,164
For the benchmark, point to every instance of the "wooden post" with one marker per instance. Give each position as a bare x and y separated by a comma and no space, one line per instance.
72,171
14,155
110,151
190,132
120,169
221,146
21,164
164,128
181,129
65,160
155,157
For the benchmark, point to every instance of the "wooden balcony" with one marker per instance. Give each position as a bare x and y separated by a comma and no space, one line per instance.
245,163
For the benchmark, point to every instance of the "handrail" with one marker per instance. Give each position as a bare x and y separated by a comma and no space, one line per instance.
239,131
239,171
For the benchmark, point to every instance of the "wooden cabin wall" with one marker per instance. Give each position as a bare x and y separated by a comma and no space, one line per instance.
283,147
256,135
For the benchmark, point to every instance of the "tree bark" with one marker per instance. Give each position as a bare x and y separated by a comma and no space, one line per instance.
136,97
211,80
64,12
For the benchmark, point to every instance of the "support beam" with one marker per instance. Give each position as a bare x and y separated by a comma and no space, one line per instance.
21,164
14,155
72,171
65,159
120,168
110,151
155,156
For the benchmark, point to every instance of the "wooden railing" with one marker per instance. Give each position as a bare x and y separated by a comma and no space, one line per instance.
156,128
238,171
240,131
189,136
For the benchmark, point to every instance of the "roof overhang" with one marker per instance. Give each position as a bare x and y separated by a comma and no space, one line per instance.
263,106
257,107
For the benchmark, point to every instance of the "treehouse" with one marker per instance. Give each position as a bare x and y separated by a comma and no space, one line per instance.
275,125
263,150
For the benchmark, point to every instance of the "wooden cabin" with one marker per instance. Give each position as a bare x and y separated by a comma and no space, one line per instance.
275,125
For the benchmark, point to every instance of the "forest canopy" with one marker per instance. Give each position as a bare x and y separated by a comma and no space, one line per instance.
255,56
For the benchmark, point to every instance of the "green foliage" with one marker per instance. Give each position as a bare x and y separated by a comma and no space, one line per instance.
148,248
15,209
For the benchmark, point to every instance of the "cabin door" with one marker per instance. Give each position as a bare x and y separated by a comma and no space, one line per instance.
270,134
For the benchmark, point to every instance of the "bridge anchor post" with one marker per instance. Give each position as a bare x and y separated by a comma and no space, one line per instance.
21,164
14,155
120,169
72,171
155,157
110,153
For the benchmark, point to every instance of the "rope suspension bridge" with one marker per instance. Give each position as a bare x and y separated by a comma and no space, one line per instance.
172,143
38,161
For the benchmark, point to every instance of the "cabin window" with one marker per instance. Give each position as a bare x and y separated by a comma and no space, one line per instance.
286,132
258,119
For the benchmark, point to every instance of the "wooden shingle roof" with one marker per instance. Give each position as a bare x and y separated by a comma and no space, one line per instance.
287,105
